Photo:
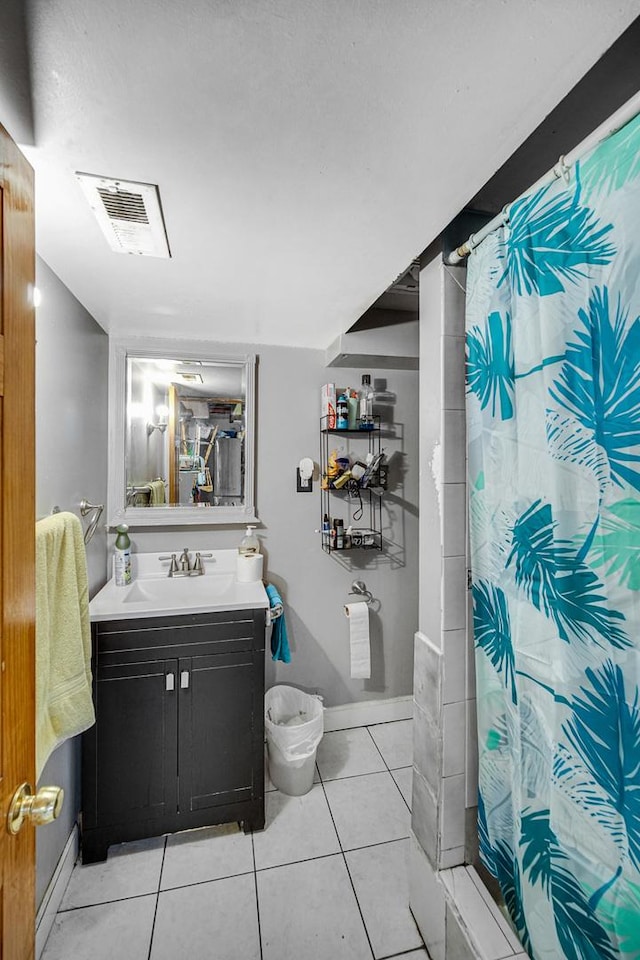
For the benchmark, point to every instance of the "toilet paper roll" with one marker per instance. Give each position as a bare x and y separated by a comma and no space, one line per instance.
358,614
249,567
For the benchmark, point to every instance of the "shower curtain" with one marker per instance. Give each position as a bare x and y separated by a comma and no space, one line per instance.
553,403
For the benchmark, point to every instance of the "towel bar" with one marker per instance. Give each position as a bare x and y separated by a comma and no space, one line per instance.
85,508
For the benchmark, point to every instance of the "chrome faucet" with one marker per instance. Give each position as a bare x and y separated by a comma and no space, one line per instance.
198,569
173,566
182,567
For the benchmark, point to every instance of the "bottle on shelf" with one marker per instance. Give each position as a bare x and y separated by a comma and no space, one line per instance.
365,404
342,412
352,400
338,526
326,532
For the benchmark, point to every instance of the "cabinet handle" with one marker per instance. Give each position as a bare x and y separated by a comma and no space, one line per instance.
184,680
170,682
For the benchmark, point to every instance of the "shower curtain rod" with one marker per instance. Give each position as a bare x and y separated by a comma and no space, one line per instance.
627,112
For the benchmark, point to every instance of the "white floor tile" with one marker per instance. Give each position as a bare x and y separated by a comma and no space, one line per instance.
130,870
368,810
348,753
309,910
395,742
381,879
404,779
217,920
208,854
297,828
107,931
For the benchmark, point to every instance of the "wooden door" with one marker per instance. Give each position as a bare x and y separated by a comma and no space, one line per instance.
17,544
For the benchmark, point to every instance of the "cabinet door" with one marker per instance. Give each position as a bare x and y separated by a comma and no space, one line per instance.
136,755
217,744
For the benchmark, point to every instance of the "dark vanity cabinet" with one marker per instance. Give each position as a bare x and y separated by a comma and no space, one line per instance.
178,738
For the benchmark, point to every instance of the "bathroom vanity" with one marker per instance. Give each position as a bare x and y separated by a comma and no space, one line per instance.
178,683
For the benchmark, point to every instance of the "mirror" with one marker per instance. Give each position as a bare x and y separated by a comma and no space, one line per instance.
182,434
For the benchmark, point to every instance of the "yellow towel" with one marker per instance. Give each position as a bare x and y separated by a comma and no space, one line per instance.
64,706
158,494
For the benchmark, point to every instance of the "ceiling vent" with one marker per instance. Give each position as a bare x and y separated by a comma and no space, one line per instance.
129,214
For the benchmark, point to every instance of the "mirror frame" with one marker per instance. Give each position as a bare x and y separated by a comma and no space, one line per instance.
120,348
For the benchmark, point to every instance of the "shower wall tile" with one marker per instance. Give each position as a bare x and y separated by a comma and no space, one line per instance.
427,901
424,817
452,812
454,646
453,446
454,519
494,909
453,385
470,654
471,754
452,858
454,738
476,920
458,945
454,285
427,676
427,750
454,593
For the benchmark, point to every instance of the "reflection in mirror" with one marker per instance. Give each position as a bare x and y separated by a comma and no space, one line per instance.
185,433
182,436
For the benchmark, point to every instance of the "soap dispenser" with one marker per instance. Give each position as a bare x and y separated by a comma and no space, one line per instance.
249,543
249,562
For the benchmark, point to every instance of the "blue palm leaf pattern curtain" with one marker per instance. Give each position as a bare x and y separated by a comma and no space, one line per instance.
553,403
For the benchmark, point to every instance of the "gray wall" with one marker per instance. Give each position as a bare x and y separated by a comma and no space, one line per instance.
71,463
314,585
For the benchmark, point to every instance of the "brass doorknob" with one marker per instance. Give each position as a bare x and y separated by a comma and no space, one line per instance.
40,808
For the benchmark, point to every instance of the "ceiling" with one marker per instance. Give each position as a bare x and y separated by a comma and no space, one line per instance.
305,151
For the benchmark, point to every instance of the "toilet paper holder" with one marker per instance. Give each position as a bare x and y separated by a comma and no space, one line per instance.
359,588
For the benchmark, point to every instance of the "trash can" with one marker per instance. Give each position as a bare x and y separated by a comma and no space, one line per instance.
294,724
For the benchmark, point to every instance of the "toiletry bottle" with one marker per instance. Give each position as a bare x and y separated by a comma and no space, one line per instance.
339,539
326,532
342,412
365,404
122,557
249,543
352,400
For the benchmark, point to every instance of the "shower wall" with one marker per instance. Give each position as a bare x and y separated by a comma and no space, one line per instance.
456,915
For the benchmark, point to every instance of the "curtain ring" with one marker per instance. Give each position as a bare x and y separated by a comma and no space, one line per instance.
565,170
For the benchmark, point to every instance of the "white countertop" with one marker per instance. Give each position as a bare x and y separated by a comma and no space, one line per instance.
152,593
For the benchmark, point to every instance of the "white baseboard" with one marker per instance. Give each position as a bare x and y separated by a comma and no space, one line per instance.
367,712
55,891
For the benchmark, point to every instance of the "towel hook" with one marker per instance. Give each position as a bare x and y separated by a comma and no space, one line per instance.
86,508
359,588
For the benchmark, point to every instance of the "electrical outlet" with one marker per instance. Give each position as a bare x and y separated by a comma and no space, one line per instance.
303,486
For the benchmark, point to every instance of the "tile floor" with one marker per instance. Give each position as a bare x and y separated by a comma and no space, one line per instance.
326,880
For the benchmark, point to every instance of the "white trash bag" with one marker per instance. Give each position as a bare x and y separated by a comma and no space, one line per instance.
294,721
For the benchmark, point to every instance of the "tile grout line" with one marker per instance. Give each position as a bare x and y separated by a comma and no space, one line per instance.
255,887
155,912
389,770
344,857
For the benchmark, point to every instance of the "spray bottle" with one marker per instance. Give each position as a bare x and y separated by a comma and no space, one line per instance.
122,557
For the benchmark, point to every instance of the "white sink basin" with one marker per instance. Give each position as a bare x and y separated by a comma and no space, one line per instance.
178,589
153,593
